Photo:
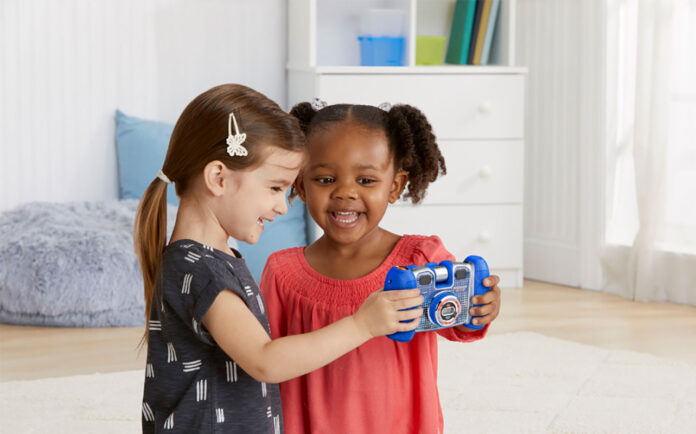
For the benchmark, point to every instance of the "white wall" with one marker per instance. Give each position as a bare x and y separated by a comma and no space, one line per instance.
565,138
65,66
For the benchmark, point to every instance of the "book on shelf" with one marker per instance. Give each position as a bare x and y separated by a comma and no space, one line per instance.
481,35
493,16
472,32
460,33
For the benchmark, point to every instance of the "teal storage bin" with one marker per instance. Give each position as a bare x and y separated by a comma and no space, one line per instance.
381,50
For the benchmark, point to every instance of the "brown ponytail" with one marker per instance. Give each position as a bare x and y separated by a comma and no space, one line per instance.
199,137
150,237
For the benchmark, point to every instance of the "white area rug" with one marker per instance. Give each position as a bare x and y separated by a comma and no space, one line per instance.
511,383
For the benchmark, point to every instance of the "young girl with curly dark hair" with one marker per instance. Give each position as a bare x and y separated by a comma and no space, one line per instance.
360,160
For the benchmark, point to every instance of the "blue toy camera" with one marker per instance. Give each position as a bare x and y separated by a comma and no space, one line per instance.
447,289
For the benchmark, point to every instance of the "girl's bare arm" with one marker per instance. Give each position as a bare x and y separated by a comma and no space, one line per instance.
237,331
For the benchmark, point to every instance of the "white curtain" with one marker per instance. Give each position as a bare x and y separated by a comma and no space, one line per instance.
651,103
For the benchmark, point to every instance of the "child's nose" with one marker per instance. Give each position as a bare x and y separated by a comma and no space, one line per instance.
345,190
281,206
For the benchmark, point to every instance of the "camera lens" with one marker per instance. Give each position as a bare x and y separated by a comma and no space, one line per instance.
444,309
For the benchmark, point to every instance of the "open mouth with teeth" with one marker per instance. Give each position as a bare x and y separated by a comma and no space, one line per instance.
260,221
345,218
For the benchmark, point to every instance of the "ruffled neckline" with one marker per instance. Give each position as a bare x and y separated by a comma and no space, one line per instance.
319,287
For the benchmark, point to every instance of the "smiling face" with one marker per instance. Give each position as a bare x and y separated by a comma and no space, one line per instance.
258,194
348,180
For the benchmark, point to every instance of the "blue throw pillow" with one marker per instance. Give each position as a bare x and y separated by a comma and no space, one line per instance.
141,146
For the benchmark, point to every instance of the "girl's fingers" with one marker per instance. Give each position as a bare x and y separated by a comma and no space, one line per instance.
489,297
401,294
491,281
488,314
407,326
408,302
483,299
483,320
482,310
405,315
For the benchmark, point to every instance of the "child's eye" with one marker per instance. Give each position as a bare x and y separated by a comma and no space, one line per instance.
324,180
277,189
366,181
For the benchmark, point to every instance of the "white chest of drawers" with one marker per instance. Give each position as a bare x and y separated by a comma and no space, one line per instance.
477,116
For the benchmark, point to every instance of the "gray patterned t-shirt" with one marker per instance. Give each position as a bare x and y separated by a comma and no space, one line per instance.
191,385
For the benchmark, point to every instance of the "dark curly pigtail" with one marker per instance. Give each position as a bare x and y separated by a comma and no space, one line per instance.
415,149
304,112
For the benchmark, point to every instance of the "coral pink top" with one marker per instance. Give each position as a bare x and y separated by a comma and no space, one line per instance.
382,386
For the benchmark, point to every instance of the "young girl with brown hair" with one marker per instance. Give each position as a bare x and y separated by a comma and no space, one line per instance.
360,159
232,156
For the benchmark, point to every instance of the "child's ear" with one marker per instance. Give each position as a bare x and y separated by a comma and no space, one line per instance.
214,177
398,185
299,187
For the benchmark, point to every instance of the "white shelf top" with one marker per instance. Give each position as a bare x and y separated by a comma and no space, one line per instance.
424,69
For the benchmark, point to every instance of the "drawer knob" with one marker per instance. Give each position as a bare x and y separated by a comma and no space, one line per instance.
485,172
484,237
485,108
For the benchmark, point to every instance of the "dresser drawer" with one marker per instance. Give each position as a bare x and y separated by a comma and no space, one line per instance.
479,172
493,232
459,106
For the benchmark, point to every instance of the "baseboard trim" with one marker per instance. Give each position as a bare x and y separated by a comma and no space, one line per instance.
552,262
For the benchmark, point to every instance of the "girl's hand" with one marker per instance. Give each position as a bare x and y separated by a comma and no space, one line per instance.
382,312
490,302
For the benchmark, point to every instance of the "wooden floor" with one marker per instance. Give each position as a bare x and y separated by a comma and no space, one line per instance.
666,330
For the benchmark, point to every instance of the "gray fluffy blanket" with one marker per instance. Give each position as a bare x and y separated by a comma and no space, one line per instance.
71,264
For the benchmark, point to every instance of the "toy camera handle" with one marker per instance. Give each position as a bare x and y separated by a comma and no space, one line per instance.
401,278
480,273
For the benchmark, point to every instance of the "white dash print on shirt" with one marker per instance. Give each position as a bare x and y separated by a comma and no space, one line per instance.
186,286
195,325
207,247
269,413
169,422
220,415
231,368
259,300
155,325
192,257
192,366
201,390
147,412
264,391
186,246
171,354
149,371
276,424
249,291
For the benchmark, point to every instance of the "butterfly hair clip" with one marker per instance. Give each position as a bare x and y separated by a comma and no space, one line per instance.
234,141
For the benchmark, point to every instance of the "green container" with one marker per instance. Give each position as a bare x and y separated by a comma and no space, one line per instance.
430,50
